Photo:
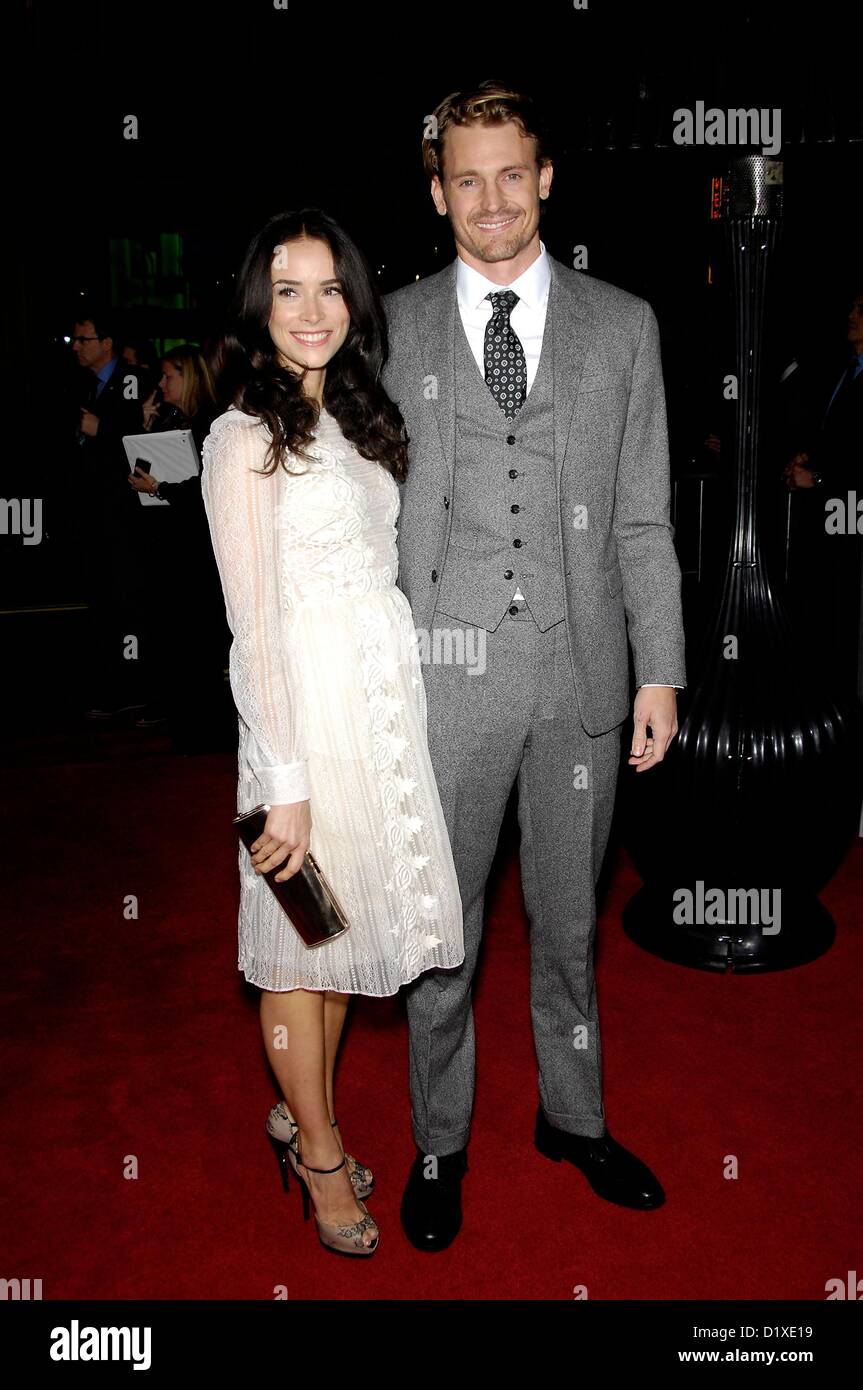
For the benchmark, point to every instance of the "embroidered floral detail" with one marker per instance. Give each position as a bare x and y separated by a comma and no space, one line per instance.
356,1231
322,512
335,540
384,653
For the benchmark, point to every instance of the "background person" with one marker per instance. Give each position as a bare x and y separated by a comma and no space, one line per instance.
186,632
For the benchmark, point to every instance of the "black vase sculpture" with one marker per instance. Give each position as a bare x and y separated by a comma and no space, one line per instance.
760,793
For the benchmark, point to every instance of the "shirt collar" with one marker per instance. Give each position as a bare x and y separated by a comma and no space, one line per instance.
531,286
105,373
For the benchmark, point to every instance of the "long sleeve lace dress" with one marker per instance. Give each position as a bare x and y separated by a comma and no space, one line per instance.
327,681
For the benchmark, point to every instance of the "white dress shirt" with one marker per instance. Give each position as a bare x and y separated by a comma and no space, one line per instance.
527,318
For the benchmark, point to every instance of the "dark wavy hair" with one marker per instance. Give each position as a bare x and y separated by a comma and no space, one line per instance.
252,379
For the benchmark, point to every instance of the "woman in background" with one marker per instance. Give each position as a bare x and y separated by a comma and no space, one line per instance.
186,639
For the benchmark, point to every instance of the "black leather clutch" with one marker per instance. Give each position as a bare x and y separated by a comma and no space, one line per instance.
306,897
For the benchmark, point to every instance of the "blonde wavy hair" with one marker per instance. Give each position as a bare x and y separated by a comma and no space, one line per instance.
198,391
491,103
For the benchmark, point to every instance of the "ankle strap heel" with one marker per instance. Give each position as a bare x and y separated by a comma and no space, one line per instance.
345,1240
282,1129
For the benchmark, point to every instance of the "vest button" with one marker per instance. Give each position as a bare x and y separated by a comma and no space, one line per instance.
507,574
434,576
510,439
515,507
514,609
516,544
513,472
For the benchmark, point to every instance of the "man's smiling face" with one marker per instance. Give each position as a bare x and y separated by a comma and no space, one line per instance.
491,190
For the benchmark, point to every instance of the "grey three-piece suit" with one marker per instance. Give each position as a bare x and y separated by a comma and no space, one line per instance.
568,503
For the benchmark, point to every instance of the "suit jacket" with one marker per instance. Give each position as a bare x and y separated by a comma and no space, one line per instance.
797,417
103,454
836,438
611,458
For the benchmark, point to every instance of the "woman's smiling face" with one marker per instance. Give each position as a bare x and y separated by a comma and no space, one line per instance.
309,318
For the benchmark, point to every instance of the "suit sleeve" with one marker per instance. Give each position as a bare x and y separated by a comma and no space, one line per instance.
642,525
126,414
241,508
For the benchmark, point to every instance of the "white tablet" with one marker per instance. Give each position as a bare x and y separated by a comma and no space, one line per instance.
170,456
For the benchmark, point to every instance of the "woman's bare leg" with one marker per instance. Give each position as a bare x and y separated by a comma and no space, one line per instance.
293,1027
335,1013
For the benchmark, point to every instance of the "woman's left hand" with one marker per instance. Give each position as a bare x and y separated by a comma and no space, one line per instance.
143,482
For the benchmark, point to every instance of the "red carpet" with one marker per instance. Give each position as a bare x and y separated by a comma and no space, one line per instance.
137,1037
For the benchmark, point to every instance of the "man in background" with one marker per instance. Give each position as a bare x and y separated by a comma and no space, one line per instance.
110,516
823,434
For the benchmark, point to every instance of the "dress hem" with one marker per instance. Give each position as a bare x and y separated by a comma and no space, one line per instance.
366,994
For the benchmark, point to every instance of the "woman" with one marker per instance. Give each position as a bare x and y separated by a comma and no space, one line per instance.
300,485
187,398
187,679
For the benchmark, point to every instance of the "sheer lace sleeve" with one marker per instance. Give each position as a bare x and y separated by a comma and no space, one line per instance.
241,512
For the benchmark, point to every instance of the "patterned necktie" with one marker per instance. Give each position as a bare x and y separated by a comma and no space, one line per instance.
505,367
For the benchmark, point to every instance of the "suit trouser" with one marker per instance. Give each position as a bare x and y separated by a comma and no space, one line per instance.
516,719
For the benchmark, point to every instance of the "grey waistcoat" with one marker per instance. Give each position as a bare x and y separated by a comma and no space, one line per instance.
474,587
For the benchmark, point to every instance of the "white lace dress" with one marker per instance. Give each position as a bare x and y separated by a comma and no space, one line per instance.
327,680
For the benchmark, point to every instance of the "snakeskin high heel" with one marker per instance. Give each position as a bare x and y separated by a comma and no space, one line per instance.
281,1127
345,1240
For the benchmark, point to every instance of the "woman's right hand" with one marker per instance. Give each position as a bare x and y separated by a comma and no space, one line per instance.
286,836
149,409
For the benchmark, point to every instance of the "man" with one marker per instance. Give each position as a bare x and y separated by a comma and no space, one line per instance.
535,517
833,440
823,437
111,409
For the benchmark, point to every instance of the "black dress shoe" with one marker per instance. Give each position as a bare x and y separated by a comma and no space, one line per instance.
612,1171
431,1207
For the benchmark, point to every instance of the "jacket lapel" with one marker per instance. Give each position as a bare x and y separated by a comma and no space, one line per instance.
436,313
572,333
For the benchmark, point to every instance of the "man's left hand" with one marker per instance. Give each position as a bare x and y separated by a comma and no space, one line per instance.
655,708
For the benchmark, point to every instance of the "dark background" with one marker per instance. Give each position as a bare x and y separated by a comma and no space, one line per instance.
244,110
